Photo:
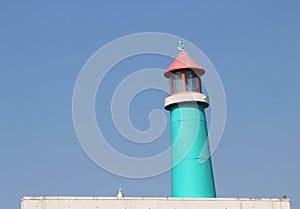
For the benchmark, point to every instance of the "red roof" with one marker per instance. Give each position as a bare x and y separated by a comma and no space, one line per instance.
183,61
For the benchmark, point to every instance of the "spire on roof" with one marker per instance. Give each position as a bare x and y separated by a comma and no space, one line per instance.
184,61
180,45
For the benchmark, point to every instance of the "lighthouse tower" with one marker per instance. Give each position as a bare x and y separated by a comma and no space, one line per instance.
192,174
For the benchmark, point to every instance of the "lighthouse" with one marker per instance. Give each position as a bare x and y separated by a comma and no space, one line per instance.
192,174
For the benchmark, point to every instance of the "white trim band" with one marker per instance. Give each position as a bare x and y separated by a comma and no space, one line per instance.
186,97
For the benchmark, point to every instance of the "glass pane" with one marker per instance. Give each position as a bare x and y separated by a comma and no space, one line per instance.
191,81
176,82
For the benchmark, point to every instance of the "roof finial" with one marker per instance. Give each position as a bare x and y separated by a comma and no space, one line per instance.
180,45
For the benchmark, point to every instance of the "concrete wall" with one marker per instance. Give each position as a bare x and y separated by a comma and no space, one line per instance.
151,203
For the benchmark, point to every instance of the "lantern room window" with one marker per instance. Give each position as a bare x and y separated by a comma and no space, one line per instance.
184,80
176,79
192,81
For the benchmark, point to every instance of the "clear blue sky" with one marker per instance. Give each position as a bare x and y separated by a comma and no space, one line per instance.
254,46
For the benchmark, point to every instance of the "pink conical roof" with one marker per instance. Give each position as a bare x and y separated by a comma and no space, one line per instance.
183,61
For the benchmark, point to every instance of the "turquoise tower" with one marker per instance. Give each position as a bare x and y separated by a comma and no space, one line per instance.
192,174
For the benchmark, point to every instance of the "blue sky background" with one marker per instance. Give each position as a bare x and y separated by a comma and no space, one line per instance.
254,46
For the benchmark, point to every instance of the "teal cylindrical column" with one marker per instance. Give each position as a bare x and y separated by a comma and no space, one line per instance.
191,175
